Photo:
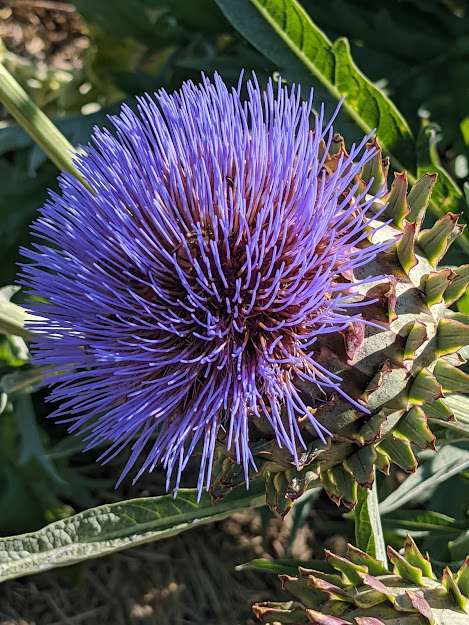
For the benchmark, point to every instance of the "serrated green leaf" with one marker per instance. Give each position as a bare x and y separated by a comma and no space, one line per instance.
109,528
285,33
290,38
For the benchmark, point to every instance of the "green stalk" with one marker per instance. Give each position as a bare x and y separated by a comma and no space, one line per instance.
36,124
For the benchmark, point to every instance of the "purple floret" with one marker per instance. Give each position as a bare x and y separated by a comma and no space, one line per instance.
186,293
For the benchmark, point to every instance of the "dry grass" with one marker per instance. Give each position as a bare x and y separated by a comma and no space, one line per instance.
186,580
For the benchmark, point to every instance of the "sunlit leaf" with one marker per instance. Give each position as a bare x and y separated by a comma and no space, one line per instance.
109,528
286,34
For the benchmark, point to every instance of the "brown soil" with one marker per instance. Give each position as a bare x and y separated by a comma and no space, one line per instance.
49,33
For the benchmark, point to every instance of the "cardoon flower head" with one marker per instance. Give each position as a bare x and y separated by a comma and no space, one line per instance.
184,296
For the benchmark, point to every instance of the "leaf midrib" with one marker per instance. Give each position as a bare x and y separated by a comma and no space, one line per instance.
318,75
222,508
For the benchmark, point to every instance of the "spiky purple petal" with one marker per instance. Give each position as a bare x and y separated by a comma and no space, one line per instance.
186,293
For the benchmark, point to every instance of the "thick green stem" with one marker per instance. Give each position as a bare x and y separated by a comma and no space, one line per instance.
36,124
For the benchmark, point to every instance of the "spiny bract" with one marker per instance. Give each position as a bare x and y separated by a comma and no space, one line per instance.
182,297
361,590
402,363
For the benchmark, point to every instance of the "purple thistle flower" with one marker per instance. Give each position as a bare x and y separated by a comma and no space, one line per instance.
185,295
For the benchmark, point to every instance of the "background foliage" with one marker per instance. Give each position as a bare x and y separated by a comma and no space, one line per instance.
80,62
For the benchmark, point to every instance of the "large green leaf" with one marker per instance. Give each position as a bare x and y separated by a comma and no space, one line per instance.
108,528
419,52
285,33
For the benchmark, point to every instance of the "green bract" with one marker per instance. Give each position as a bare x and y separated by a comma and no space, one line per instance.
404,372
361,590
401,371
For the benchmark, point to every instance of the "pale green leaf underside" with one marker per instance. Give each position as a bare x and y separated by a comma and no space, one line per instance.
12,319
105,529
